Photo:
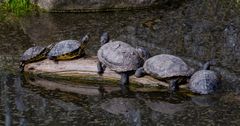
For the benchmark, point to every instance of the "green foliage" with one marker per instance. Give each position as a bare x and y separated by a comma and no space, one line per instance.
17,7
238,3
2,14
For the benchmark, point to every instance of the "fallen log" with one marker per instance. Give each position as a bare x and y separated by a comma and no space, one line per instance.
85,70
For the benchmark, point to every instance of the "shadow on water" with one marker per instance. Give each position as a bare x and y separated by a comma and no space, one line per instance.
197,31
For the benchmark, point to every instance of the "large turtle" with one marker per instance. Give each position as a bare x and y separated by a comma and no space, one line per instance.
68,49
204,81
167,68
120,57
34,54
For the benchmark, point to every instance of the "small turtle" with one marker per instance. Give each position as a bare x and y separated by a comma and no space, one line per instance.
68,49
168,68
34,54
120,57
204,81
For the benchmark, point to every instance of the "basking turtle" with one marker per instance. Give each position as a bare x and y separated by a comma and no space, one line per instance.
204,81
168,68
34,54
68,49
120,57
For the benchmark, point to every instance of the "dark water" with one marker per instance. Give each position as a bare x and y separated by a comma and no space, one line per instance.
197,31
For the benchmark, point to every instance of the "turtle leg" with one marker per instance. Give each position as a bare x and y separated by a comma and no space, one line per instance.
140,72
100,67
124,82
124,78
173,85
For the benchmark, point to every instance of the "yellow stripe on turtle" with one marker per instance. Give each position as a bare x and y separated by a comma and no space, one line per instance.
37,58
69,56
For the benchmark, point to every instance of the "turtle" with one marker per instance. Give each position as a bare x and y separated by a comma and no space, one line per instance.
120,57
68,49
166,67
33,54
204,81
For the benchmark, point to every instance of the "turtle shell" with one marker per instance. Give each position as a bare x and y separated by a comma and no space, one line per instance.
119,56
64,47
166,66
204,82
33,54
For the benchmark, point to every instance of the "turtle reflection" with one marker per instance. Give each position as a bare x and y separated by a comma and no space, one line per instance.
124,106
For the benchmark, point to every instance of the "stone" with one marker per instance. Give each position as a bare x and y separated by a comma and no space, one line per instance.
95,5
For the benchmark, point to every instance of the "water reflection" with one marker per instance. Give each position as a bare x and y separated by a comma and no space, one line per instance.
32,105
205,100
19,101
6,102
164,107
125,106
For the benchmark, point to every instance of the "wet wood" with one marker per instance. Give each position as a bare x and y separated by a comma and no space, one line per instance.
85,68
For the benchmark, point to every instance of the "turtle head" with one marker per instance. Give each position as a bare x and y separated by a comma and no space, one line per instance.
85,40
143,53
104,38
50,46
47,49
209,63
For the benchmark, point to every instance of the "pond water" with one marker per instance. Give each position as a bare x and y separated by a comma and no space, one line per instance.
196,32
